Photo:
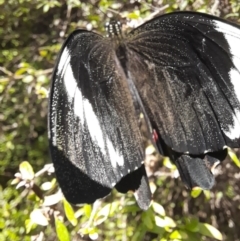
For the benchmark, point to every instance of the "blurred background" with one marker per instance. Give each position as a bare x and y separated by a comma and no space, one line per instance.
31,207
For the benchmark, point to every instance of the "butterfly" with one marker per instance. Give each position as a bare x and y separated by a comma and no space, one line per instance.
180,70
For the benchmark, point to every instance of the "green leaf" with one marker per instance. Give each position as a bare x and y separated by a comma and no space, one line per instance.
234,157
26,171
207,194
178,234
139,233
29,225
61,230
167,163
87,209
148,218
196,192
210,231
69,212
102,214
130,209
192,225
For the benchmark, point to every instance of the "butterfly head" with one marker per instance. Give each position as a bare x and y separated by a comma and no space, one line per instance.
114,29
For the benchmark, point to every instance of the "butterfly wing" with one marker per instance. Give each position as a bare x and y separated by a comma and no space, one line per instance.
93,127
186,67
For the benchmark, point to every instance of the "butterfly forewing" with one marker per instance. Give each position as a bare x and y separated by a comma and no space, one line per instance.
94,135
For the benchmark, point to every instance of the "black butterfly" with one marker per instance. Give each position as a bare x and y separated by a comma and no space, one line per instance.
181,70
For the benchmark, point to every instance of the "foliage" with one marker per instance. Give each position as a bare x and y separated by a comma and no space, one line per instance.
31,35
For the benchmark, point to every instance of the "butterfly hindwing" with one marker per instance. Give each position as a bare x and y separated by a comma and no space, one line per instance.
186,68
93,128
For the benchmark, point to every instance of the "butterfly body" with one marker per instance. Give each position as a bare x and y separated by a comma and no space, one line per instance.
181,70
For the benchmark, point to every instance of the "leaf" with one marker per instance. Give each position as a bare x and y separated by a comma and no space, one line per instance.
196,191
210,231
130,209
167,163
27,79
102,214
26,171
150,150
178,234
164,222
148,218
192,225
21,71
46,186
29,225
207,194
158,209
46,8
153,187
52,199
38,217
93,235
87,209
69,212
234,157
15,181
61,230
139,233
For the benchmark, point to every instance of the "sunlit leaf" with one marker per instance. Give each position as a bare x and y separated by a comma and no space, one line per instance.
164,222
27,79
52,199
87,209
234,157
158,208
26,171
150,150
167,163
29,225
102,214
61,229
178,234
38,217
153,187
93,234
15,181
210,231
69,212
196,192
207,194
46,186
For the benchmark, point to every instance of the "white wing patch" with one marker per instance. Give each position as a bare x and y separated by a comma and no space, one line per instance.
78,105
69,82
115,157
83,109
233,131
231,34
65,57
235,80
